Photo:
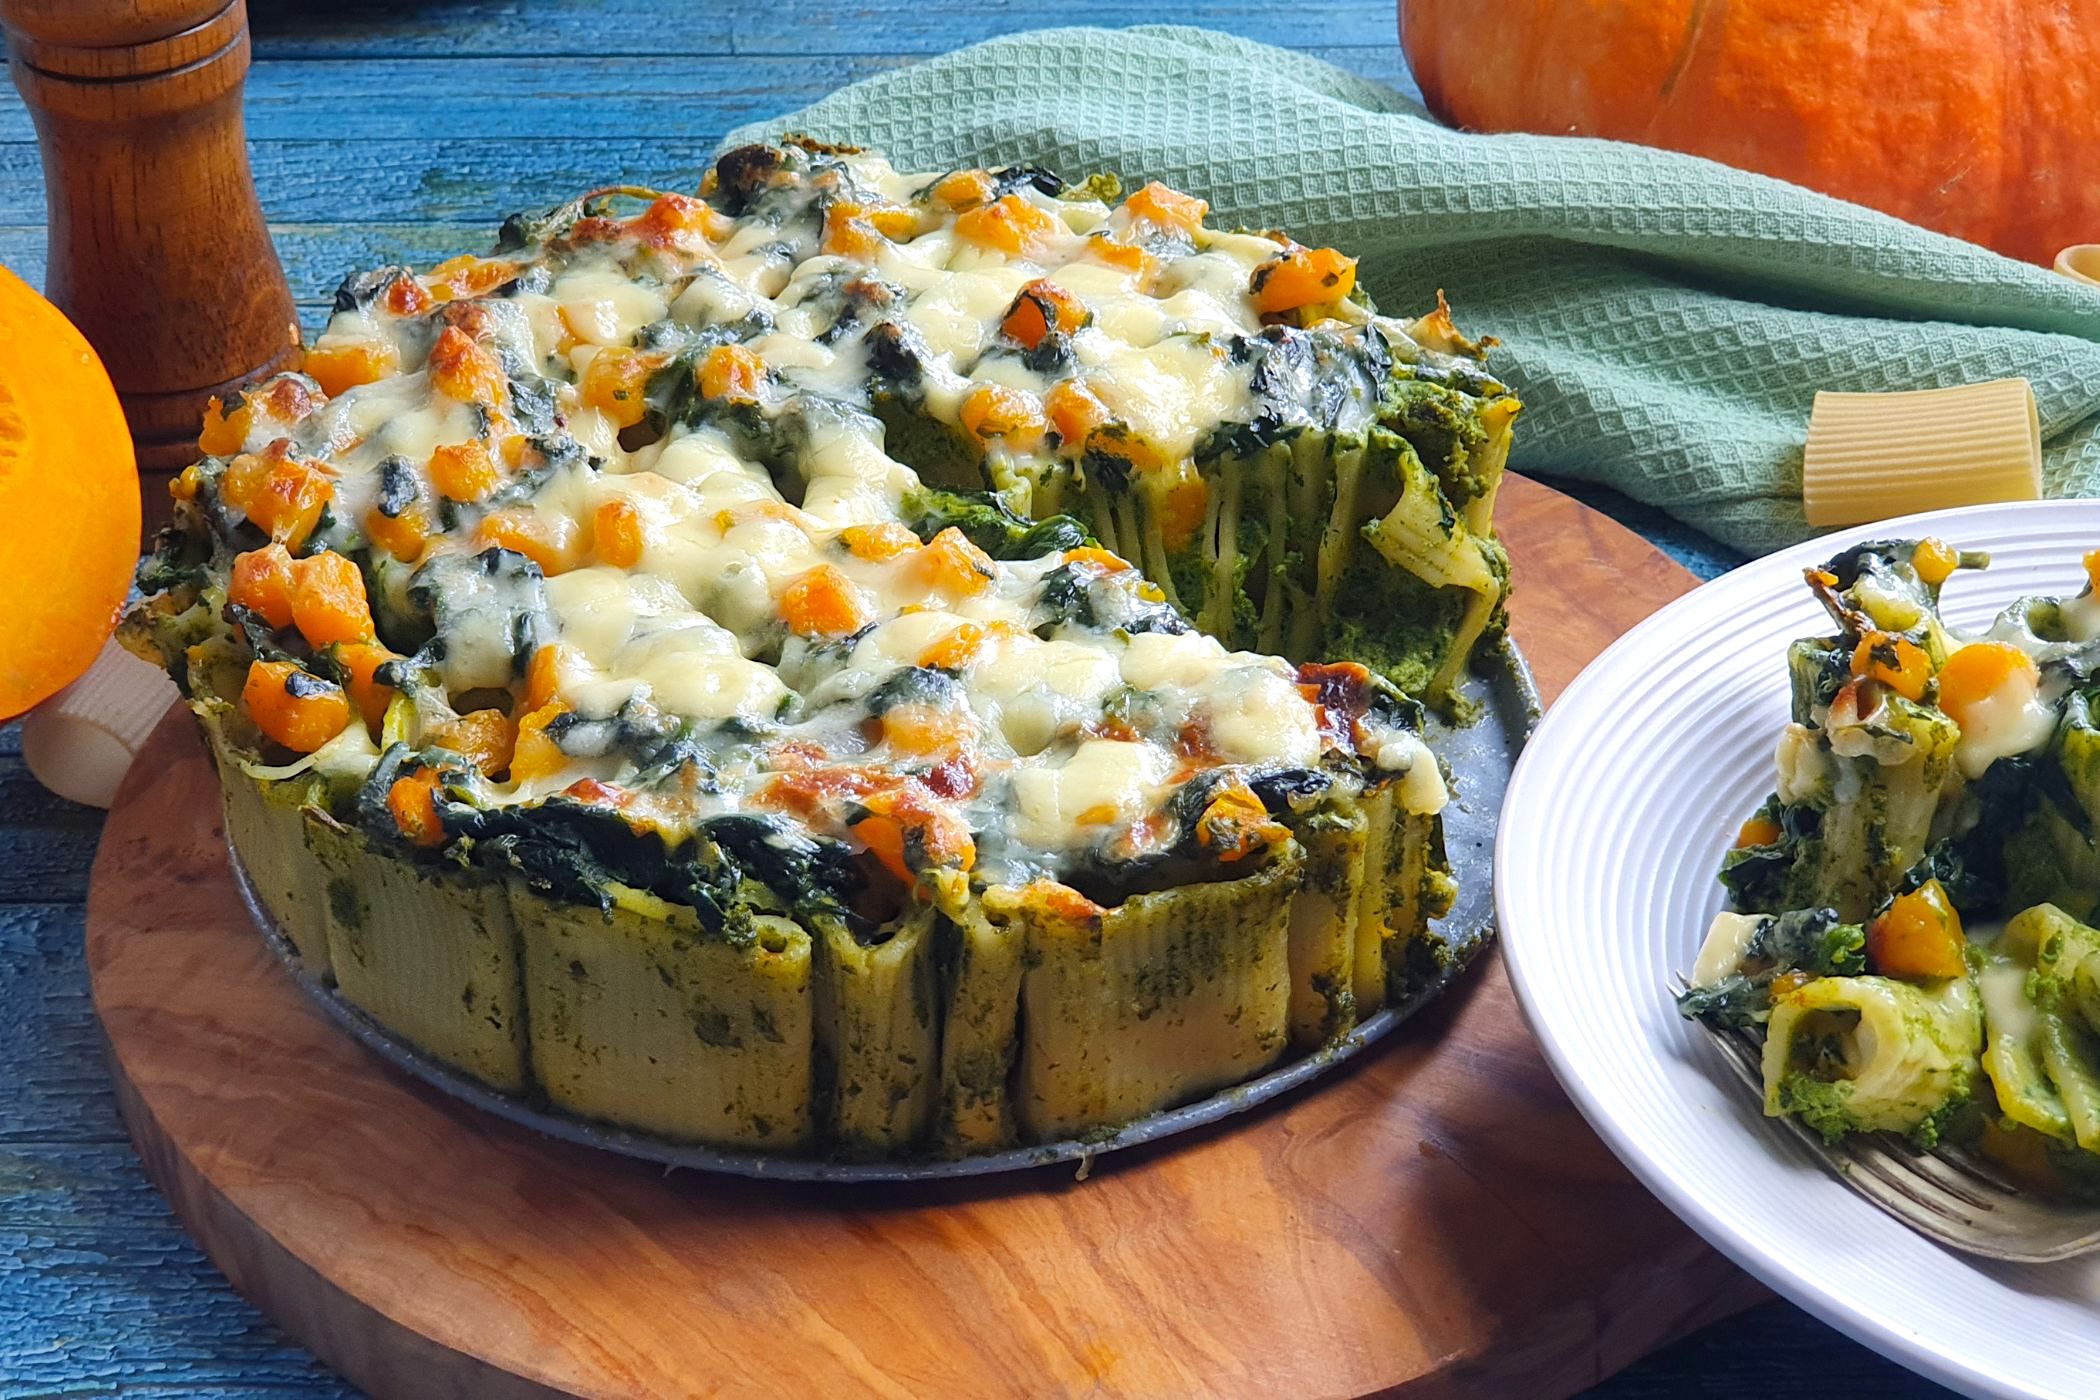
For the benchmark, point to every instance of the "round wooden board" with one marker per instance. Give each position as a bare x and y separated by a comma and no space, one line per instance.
1435,1220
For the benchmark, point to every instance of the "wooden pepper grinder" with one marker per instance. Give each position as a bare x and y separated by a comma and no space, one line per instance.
158,250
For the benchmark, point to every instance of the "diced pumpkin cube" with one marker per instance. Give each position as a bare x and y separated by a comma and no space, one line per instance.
925,730
618,533
822,602
1014,416
283,496
731,372
1979,671
535,755
361,662
1166,208
412,803
1183,505
485,738
1300,277
1935,560
328,600
1918,936
878,542
406,296
225,429
1009,224
549,672
963,189
1041,309
262,583
464,471
462,370
1075,411
848,234
680,223
547,540
1127,256
293,707
405,536
1896,662
346,364
616,382
951,564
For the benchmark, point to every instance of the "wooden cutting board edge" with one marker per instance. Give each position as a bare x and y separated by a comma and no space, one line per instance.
1435,1220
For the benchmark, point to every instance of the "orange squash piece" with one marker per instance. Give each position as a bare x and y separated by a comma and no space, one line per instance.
618,534
225,429
822,602
1299,277
1013,415
1075,411
954,565
1166,208
294,708
462,370
349,364
412,803
1758,831
1918,936
464,471
962,189
547,540
70,494
404,536
680,223
1899,664
262,582
1935,560
731,372
877,542
615,383
485,738
282,495
1009,223
328,600
550,670
361,661
1042,307
534,754
1977,672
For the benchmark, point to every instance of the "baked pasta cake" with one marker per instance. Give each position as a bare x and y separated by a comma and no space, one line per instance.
797,667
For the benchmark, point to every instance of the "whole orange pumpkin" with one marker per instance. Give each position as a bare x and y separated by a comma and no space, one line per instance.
1979,118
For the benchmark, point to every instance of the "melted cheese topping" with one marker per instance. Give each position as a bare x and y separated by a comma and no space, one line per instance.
688,421
2013,719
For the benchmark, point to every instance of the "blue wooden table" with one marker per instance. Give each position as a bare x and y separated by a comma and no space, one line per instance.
425,121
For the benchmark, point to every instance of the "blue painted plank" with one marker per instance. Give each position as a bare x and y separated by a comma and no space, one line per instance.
100,1290
46,842
514,131
651,28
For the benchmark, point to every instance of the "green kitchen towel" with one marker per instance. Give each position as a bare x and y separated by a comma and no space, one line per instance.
1666,320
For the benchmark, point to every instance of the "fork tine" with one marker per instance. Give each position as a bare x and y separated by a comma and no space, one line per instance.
1899,1177
1954,1197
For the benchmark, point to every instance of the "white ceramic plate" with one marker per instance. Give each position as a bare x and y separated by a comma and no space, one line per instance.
1611,834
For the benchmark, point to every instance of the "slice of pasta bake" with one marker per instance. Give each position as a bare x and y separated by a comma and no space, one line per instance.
1907,934
801,666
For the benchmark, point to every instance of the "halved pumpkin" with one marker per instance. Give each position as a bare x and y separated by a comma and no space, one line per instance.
69,500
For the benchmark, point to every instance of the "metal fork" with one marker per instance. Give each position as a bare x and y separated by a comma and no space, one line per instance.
1958,1198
